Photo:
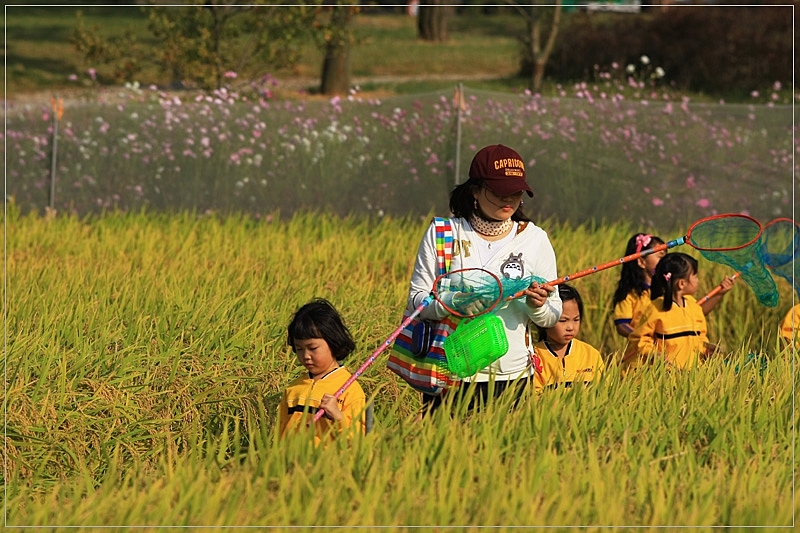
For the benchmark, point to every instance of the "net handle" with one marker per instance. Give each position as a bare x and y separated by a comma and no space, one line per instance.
391,338
686,239
610,264
371,359
713,292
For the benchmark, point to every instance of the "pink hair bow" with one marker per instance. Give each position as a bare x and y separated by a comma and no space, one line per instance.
642,240
668,276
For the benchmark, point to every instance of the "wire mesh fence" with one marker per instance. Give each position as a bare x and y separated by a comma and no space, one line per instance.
589,156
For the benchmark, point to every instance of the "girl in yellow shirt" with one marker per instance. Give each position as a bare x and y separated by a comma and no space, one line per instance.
632,295
673,326
321,342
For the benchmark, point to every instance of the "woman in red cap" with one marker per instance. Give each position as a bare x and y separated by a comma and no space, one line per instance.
490,231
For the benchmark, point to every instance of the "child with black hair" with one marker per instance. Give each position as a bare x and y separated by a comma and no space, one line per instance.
559,357
321,341
632,295
673,326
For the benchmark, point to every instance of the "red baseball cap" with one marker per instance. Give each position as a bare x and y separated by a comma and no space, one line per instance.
502,169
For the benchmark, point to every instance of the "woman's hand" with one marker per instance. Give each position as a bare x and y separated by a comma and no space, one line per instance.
468,304
331,408
537,294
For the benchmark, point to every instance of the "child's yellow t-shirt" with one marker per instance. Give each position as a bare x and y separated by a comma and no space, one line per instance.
630,310
678,335
301,401
581,364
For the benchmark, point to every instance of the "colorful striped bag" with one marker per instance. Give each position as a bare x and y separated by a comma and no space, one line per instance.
417,354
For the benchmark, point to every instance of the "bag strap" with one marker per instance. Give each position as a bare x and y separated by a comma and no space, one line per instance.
444,243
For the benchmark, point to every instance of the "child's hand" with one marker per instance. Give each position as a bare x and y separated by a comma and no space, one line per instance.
708,350
727,284
331,408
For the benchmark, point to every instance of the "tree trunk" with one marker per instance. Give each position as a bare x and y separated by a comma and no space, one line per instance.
537,55
432,20
336,63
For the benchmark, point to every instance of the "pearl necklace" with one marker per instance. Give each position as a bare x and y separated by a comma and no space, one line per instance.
490,228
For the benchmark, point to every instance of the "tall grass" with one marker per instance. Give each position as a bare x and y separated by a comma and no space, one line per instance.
146,356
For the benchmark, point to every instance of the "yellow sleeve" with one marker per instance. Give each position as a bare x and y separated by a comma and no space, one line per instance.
646,338
641,341
283,415
791,323
600,365
354,406
544,377
623,310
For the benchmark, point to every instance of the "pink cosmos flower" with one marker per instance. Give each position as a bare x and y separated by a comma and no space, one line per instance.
657,202
703,203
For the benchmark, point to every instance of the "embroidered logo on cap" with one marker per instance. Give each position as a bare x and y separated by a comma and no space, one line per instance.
512,167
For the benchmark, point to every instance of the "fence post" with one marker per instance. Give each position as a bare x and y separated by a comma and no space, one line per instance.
459,105
57,105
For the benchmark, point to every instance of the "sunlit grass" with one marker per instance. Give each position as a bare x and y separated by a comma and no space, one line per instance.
146,357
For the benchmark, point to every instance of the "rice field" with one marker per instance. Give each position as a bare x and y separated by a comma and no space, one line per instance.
146,355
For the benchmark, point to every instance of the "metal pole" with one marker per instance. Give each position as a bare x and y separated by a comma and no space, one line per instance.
55,151
459,101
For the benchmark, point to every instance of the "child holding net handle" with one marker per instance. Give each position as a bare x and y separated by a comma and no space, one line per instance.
321,341
632,295
673,326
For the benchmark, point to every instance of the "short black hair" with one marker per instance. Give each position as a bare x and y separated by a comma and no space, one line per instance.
566,293
319,319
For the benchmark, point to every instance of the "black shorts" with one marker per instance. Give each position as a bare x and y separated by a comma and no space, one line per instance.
480,395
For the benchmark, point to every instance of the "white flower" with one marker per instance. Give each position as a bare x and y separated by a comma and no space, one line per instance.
630,69
645,60
660,72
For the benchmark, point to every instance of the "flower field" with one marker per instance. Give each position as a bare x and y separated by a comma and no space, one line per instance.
607,151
